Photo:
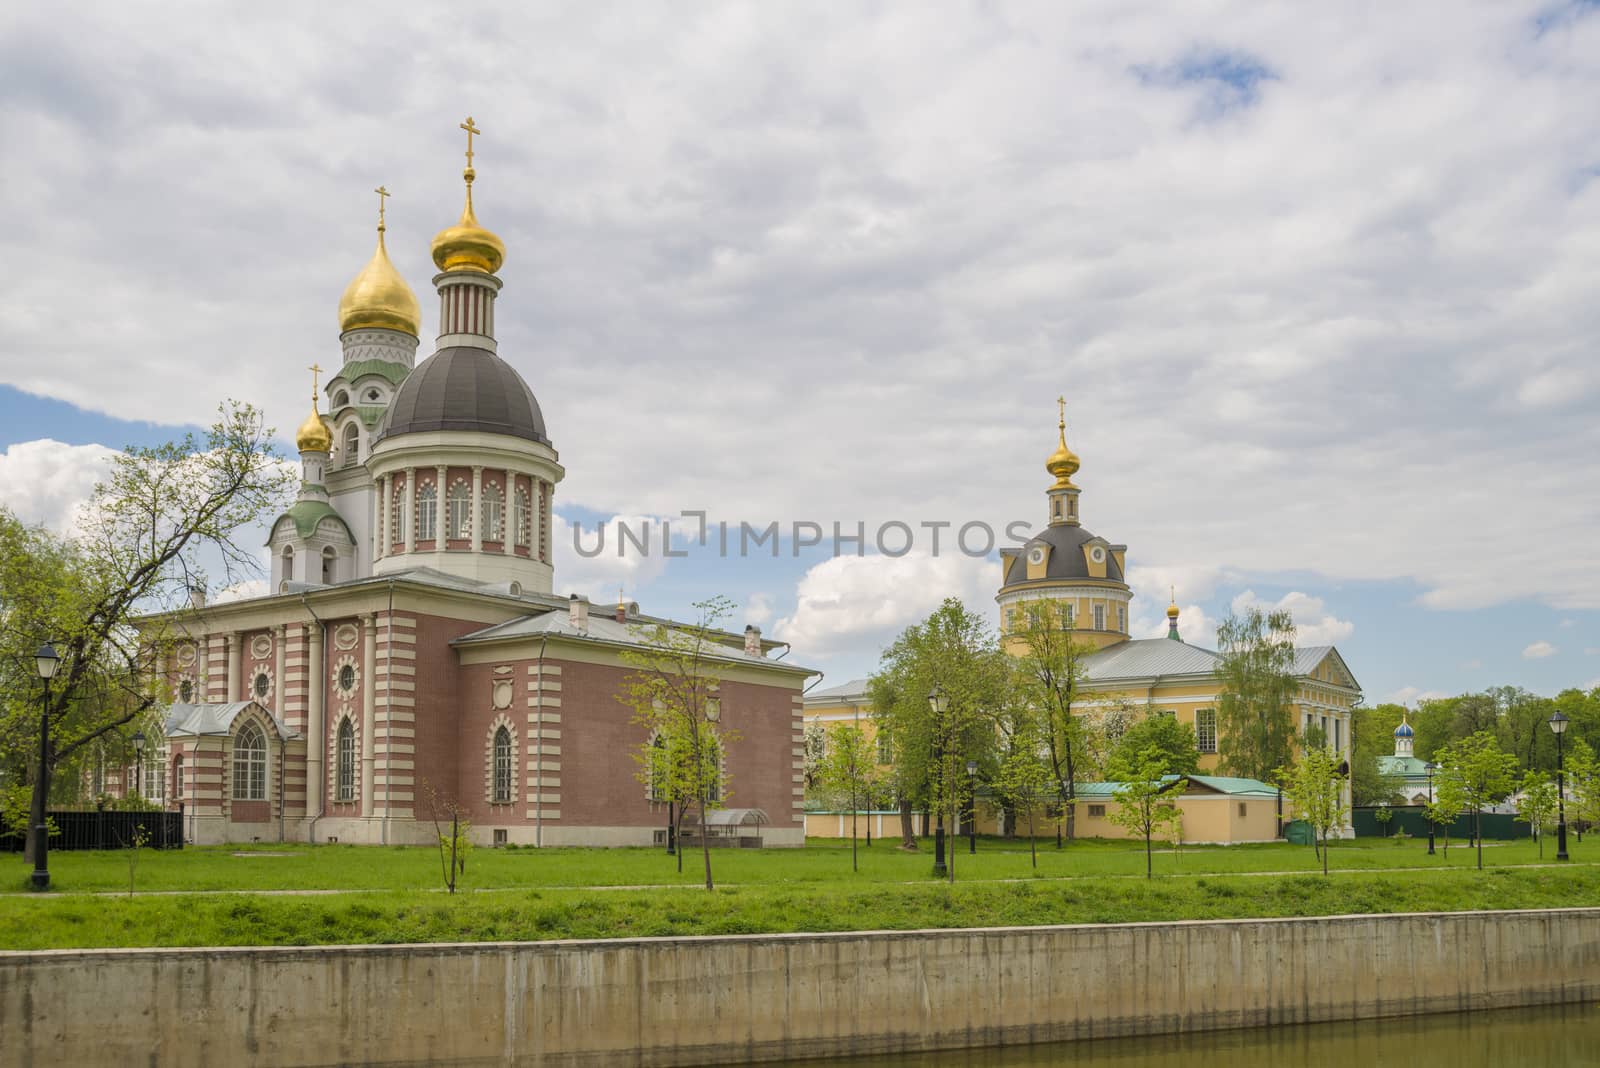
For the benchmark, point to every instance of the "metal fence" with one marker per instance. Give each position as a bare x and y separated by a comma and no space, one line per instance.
1500,826
107,830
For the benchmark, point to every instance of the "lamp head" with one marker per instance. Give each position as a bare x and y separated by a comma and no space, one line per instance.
138,741
938,701
1558,724
47,661
972,768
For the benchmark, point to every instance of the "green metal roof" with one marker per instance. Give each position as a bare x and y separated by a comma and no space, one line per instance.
307,514
371,414
1221,783
394,372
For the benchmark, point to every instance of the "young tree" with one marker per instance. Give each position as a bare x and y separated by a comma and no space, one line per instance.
1315,787
1384,815
1145,800
1583,786
846,770
816,748
108,595
1537,805
1048,665
1449,801
1255,720
673,692
952,655
453,831
1025,777
1175,741
1477,771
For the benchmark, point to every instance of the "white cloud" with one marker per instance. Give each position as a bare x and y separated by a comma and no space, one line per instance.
241,591
758,609
1411,695
1593,650
1313,623
1539,650
1567,623
47,482
617,561
856,603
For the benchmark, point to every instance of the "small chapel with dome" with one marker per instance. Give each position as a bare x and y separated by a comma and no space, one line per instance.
411,650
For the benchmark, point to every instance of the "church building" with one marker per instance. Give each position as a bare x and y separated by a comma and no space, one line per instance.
411,651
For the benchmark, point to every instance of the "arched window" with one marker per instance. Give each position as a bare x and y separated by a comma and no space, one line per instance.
524,510
397,516
250,764
340,399
427,512
494,510
713,772
659,768
288,564
502,766
177,779
352,444
459,502
185,691
327,566
345,780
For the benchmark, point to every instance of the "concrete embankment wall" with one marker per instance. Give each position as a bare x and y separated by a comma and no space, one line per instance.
682,1001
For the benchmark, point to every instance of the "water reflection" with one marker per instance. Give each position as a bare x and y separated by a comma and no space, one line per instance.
1562,1037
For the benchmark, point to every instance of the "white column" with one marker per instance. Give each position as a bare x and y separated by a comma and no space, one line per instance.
440,514
411,509
316,737
477,509
369,688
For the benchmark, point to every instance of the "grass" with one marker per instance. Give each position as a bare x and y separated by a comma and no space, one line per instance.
824,861
382,895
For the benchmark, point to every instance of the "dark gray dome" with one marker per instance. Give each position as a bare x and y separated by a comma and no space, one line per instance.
464,388
1066,559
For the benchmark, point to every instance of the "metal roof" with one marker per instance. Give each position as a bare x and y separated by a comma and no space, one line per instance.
215,719
1065,560
845,692
464,388
1220,784
1144,658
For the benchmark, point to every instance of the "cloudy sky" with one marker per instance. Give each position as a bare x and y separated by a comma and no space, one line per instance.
1318,282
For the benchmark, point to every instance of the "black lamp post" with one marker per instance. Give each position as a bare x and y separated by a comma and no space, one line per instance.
938,703
138,766
46,661
1431,767
972,807
1558,724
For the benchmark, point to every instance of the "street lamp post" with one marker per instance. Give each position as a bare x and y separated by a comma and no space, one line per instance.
972,807
46,661
938,703
1431,767
138,765
1558,724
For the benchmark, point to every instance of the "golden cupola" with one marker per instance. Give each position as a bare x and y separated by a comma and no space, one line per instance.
1063,463
467,246
378,298
314,435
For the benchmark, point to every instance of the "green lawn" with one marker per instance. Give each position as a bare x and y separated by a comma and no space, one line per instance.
297,866
392,894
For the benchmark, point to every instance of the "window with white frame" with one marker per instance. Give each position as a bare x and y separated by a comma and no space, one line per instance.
885,749
1099,617
458,502
288,564
1122,618
352,444
427,511
1205,730
713,772
250,764
345,776
177,779
659,768
493,513
523,504
502,766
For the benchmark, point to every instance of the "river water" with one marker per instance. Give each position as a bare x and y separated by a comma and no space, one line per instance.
1514,1038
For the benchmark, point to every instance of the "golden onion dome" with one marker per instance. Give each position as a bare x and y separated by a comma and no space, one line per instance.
466,246
378,298
1063,463
1172,611
314,434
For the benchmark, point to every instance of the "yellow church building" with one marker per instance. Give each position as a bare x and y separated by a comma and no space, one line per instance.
1087,574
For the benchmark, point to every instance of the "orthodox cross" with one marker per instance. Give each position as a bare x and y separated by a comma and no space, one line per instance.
315,371
471,129
383,195
1061,405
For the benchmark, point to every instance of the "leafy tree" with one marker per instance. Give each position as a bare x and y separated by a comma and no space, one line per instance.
816,748
1371,736
1537,805
672,691
1583,785
1255,718
1145,799
1476,769
846,770
1314,786
107,595
1175,741
955,651
1025,778
1384,815
1049,669
1449,801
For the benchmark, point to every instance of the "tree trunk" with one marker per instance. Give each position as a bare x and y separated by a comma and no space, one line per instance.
854,866
1477,832
705,841
908,838
1033,843
1324,854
